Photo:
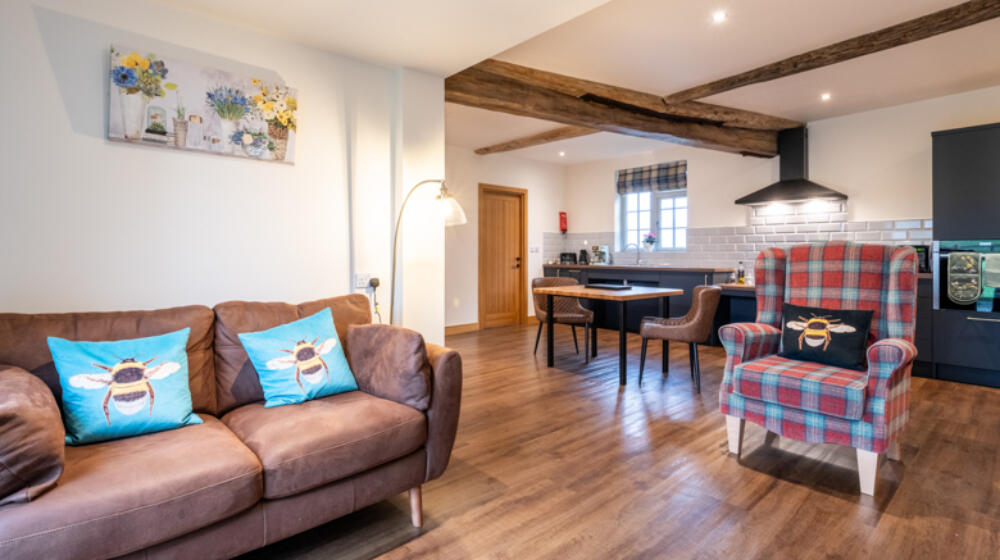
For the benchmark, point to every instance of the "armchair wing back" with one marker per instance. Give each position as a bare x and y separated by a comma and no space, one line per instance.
870,413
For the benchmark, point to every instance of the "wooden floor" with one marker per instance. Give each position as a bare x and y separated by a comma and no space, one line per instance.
560,463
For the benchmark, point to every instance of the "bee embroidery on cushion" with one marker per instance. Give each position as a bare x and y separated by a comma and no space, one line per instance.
127,382
305,356
816,330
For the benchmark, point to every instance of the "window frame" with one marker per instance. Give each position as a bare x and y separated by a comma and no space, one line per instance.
654,218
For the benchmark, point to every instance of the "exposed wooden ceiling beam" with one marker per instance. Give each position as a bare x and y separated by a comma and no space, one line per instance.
949,19
705,113
554,135
478,88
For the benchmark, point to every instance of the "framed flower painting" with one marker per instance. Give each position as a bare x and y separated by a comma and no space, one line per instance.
164,102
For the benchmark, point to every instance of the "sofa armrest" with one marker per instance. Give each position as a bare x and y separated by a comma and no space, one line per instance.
887,364
32,437
442,415
748,341
390,362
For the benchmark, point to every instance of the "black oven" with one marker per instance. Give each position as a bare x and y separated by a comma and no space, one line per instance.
967,275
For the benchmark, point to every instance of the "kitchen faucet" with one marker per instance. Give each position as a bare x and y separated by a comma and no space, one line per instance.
637,252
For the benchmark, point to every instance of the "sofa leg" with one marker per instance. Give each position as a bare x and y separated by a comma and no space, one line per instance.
893,452
867,471
734,431
416,507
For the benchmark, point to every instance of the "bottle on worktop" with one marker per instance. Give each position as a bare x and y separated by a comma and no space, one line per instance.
741,273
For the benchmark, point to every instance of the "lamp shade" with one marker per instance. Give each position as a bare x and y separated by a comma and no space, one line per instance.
451,211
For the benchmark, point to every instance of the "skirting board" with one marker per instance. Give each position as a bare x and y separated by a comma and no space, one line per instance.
461,329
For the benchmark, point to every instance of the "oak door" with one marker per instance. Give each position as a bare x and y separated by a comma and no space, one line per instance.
501,256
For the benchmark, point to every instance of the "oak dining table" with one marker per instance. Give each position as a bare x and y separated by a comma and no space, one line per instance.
622,297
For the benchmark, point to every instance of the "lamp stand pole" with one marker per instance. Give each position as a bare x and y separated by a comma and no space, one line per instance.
395,244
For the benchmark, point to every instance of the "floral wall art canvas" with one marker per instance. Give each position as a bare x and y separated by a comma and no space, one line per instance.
173,104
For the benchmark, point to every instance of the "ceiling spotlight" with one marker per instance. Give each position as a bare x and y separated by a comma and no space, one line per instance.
562,154
719,16
825,96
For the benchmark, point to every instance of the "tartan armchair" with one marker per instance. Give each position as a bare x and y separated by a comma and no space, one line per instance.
810,402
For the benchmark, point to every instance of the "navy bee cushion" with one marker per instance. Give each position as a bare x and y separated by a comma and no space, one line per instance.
835,337
123,388
299,361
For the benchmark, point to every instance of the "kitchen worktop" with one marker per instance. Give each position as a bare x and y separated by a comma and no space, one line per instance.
735,286
643,267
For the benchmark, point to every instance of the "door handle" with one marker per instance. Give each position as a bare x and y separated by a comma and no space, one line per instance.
518,259
983,319
516,266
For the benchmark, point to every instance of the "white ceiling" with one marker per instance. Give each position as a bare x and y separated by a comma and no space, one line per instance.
437,36
662,46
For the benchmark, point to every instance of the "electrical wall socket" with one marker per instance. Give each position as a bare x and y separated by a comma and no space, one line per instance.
361,279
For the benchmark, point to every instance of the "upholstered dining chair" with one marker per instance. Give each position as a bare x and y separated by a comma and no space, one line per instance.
693,328
816,403
567,311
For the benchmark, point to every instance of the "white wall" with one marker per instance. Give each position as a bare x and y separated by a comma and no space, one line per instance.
86,224
464,171
881,159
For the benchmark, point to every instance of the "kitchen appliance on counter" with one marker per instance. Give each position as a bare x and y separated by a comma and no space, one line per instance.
567,258
967,275
923,258
601,254
584,259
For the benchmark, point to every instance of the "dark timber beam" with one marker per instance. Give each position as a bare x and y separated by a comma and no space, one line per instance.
705,113
554,135
949,19
496,92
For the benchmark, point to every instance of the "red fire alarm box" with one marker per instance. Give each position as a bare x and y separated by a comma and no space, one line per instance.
562,223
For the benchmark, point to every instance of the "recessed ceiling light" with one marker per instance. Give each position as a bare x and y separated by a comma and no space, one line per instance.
825,96
719,16
562,154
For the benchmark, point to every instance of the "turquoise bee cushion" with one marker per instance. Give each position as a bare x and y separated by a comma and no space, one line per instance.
123,388
299,361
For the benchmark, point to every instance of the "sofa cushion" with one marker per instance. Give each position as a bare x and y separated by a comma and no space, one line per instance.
119,496
236,379
31,437
23,341
391,362
804,385
303,446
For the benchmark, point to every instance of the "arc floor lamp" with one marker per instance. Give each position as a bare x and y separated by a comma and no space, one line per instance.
450,211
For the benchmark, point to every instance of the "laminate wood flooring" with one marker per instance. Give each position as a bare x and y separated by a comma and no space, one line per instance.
561,463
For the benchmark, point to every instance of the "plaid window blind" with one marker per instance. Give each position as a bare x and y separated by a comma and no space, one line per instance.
670,176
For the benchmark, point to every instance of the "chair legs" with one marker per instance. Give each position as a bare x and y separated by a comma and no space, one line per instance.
538,337
892,452
867,471
586,342
734,431
575,343
642,359
695,368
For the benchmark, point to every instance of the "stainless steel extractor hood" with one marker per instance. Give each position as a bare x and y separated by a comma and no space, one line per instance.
794,185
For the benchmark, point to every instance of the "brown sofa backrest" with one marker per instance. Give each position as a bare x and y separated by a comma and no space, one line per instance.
236,380
23,341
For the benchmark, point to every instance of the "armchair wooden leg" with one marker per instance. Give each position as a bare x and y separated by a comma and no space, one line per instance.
593,341
575,343
734,431
538,336
586,343
416,507
642,359
867,471
893,452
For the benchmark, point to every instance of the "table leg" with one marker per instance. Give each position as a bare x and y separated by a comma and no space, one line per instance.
549,328
622,347
665,313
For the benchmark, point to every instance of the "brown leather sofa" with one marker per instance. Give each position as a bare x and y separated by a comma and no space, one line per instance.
246,477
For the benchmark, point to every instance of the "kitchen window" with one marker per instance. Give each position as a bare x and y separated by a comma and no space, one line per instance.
664,213
653,199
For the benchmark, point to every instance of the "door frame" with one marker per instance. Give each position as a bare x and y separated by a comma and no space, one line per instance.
522,194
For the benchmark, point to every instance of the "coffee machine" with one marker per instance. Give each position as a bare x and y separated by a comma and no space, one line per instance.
600,254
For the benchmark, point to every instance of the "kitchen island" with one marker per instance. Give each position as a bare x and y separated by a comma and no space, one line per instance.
682,278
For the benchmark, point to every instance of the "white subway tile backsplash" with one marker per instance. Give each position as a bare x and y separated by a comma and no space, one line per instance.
868,236
908,224
922,234
893,235
856,226
784,229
